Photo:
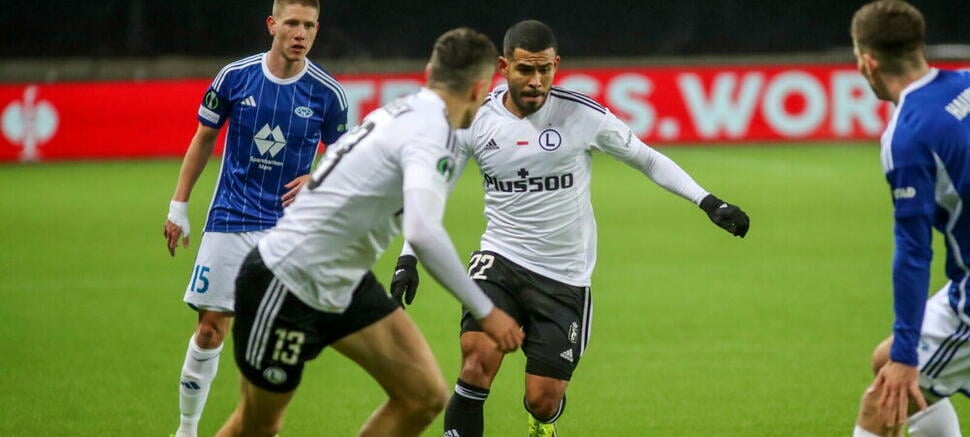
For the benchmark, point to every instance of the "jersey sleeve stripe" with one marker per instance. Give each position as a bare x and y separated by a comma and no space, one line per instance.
328,81
594,107
578,95
242,63
886,152
451,141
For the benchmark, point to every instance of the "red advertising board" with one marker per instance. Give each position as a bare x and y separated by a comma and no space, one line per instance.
664,106
98,120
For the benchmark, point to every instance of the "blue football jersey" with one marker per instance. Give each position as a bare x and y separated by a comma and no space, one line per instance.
275,127
926,157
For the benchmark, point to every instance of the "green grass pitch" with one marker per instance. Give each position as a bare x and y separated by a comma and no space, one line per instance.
695,332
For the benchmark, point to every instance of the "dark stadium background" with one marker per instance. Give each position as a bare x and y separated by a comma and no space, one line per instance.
696,332
377,29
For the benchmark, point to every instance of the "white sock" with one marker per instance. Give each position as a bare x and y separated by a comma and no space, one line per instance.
198,371
939,420
859,432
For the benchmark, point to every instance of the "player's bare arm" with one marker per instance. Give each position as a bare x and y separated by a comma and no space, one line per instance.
194,162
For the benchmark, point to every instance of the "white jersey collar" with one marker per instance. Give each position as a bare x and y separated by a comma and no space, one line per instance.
918,83
426,94
277,80
434,99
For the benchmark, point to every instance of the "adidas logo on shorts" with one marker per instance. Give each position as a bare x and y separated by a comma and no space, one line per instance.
567,355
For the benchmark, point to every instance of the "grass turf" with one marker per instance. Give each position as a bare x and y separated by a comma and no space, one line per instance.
695,332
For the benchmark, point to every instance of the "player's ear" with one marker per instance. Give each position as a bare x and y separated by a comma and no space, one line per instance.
270,25
427,71
503,65
870,63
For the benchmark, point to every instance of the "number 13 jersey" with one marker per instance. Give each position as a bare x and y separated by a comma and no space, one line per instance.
345,217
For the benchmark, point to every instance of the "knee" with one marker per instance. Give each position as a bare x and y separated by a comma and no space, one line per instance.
880,356
543,404
869,416
209,334
426,406
436,396
425,401
436,401
473,372
477,368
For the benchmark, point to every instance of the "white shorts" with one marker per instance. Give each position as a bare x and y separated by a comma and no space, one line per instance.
944,348
213,281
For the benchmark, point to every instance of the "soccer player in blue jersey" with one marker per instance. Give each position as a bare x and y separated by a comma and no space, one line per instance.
926,158
279,106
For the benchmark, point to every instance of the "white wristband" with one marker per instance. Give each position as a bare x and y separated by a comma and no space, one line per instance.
178,214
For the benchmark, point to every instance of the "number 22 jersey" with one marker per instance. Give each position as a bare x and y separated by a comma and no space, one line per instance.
536,176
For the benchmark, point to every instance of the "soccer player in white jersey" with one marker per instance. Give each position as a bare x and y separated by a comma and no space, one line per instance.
926,159
533,143
309,285
279,106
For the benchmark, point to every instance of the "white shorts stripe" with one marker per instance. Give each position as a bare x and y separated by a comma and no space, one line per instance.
587,320
952,353
250,345
944,348
946,352
962,309
264,314
278,296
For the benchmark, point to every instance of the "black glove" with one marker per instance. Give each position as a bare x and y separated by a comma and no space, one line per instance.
727,216
405,281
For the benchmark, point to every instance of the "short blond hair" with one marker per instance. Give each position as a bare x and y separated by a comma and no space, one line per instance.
278,5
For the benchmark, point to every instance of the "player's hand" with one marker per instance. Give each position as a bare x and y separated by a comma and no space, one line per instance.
503,330
405,281
727,216
294,187
177,225
898,383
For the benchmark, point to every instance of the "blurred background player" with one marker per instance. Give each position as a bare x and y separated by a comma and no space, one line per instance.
926,158
279,106
533,143
309,285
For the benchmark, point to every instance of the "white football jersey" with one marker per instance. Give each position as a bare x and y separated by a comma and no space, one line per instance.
347,215
536,176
